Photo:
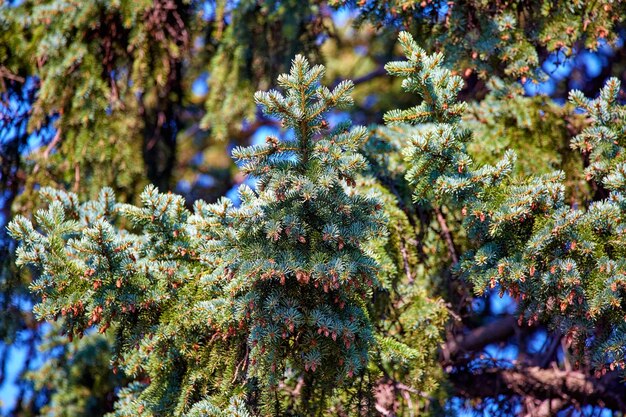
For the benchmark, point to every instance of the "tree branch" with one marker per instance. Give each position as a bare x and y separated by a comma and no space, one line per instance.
571,387
546,408
378,72
480,337
5,73
405,259
445,232
552,388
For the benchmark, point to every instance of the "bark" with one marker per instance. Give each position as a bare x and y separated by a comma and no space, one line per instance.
166,24
545,408
549,389
478,338
567,387
445,233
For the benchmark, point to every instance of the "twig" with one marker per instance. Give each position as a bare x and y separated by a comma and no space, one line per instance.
5,73
378,72
52,144
243,362
405,258
445,232
477,338
76,177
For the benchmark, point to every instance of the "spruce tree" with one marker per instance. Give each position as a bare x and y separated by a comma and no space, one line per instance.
559,262
356,271
267,293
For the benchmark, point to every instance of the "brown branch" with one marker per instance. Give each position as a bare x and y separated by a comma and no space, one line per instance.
445,233
52,144
571,387
76,178
545,408
378,72
405,259
480,337
5,73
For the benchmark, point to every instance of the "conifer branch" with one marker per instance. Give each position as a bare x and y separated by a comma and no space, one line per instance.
515,225
479,337
574,388
445,232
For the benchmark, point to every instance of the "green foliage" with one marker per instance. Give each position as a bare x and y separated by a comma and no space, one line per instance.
267,293
89,75
325,286
250,52
498,38
78,380
506,119
315,227
142,284
113,77
438,162
562,264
